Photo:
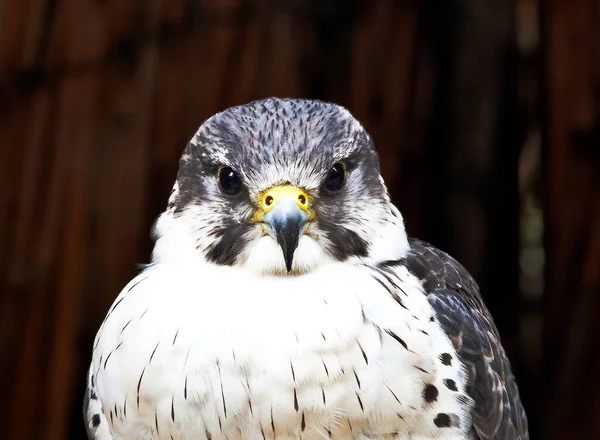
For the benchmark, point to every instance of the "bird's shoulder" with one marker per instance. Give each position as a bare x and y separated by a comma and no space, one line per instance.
463,316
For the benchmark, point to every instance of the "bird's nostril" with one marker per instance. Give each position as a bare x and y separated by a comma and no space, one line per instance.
302,199
268,200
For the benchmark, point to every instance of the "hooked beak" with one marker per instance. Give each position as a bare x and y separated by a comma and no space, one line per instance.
285,214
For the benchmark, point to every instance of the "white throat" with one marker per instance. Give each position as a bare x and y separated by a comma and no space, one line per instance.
178,243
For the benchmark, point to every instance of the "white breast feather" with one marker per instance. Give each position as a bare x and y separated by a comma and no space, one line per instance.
209,352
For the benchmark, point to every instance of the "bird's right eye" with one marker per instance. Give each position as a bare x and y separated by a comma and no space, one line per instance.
230,181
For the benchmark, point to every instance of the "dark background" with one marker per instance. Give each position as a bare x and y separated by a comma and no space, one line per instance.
485,114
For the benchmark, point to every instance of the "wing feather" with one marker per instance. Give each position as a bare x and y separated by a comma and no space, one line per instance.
498,413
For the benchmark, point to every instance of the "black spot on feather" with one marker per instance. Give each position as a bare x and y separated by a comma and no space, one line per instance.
430,393
96,420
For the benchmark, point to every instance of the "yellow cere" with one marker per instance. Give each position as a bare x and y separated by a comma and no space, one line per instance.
270,198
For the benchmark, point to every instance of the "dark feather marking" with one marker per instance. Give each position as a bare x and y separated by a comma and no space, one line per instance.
142,315
293,372
421,369
229,246
114,307
250,406
262,431
185,388
350,426
116,412
207,434
324,338
173,408
220,424
303,423
382,283
138,387
125,326
393,394
222,391
156,422
356,377
380,333
99,364
125,408
272,422
295,400
175,337
360,402
111,418
392,263
186,357
397,338
363,353
394,284
446,358
138,282
326,369
442,420
153,351
109,354
323,394
96,420
430,393
450,384
107,358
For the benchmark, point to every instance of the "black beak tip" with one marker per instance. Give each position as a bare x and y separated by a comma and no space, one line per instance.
288,235
288,256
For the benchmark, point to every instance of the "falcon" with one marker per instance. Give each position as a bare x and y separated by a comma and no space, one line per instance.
285,301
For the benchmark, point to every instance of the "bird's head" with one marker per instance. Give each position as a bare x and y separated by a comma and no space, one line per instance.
280,186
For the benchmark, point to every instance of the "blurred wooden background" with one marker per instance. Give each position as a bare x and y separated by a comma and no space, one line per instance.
485,113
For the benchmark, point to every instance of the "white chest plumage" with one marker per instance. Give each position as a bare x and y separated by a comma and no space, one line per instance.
345,352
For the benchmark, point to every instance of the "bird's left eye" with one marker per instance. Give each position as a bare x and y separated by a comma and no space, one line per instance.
230,181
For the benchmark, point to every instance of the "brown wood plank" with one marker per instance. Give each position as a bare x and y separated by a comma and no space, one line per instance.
79,35
27,270
13,21
119,180
172,13
208,49
279,73
13,299
246,81
77,98
22,307
572,189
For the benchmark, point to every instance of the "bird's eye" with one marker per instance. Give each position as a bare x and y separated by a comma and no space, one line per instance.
230,181
336,177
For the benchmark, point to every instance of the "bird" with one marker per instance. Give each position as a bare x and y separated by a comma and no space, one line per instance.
284,300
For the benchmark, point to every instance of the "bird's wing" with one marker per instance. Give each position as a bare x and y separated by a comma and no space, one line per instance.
498,413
